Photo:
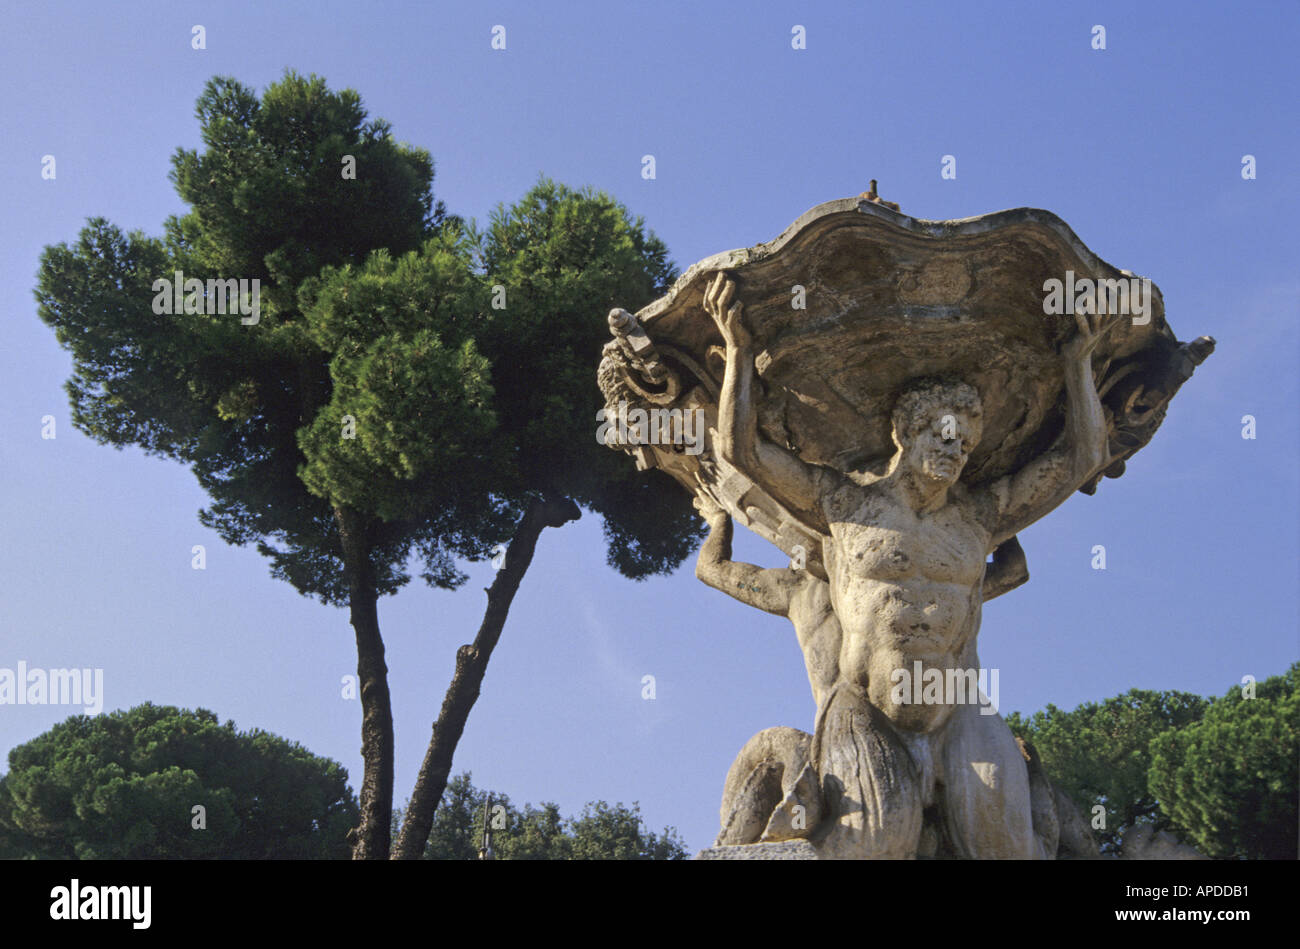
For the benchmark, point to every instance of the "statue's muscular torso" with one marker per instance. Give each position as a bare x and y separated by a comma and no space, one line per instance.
906,587
818,630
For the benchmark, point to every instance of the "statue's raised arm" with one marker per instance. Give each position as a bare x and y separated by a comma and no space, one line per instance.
1028,494
890,407
767,589
781,473
1008,570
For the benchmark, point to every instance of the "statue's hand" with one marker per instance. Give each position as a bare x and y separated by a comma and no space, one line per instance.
708,510
707,504
1092,330
717,303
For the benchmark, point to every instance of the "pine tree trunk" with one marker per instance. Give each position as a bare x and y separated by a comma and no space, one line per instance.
370,840
471,664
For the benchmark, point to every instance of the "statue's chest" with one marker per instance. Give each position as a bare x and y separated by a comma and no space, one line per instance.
877,539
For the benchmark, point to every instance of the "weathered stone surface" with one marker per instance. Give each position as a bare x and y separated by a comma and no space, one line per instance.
1076,839
890,298
1042,802
1143,842
784,850
765,770
908,421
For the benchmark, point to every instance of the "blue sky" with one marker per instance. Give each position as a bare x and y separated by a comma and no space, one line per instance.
1137,146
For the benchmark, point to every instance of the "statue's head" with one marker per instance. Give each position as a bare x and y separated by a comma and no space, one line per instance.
937,424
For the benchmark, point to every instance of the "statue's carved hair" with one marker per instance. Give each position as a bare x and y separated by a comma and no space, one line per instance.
922,399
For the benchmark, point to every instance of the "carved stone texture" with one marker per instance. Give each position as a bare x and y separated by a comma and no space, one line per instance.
784,850
1144,842
889,401
889,298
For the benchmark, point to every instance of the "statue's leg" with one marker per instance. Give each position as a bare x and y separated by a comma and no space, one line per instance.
763,775
1042,802
872,793
1076,841
987,802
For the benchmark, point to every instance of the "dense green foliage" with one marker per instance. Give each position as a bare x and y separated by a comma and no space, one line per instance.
123,785
268,202
565,258
1231,781
411,386
461,411
601,832
1219,773
1099,753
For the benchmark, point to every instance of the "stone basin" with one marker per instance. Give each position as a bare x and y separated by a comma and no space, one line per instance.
888,298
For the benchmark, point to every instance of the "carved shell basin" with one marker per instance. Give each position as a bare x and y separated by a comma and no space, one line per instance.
888,298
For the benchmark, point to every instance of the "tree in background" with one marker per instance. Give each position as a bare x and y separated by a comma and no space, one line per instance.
268,201
1219,772
561,259
601,832
124,786
380,407
1229,781
1100,753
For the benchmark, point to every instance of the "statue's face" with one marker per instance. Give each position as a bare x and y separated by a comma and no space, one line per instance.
938,452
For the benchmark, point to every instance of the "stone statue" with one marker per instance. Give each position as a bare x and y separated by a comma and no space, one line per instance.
759,795
923,330
905,555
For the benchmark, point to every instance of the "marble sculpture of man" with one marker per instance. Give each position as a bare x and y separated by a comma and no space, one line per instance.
905,553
